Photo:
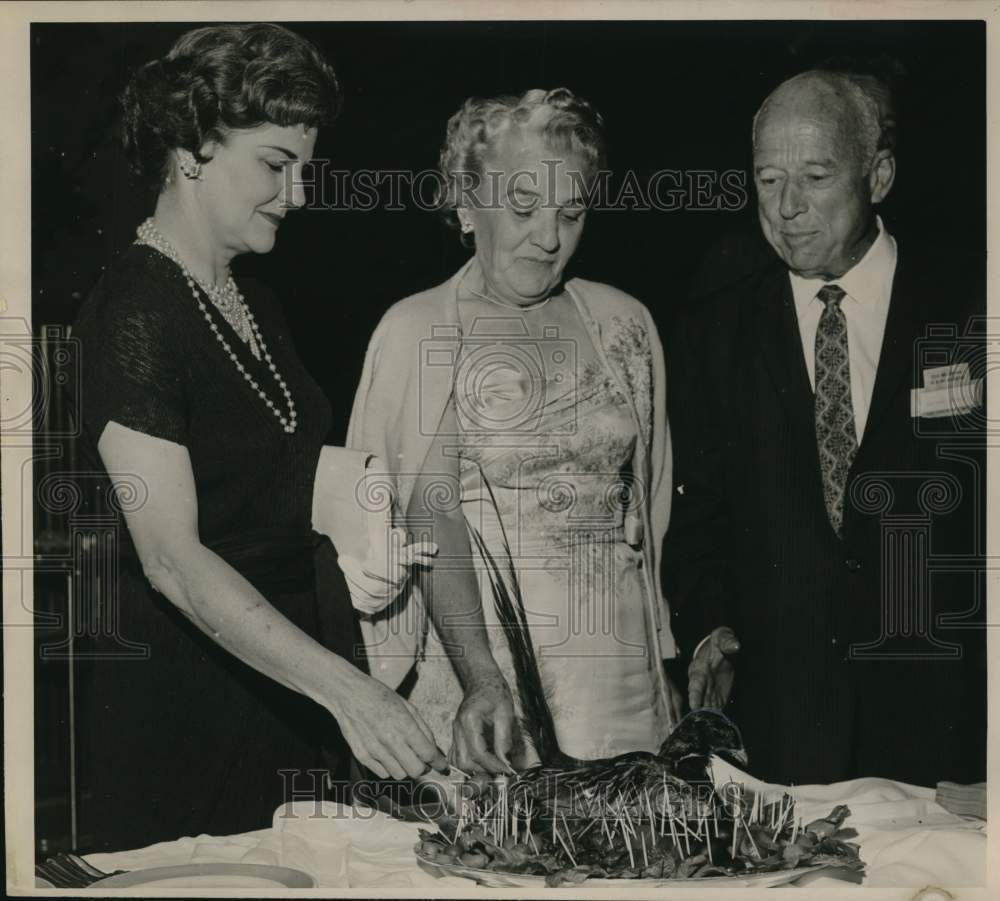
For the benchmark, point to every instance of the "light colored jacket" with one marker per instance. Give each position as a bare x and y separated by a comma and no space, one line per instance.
406,384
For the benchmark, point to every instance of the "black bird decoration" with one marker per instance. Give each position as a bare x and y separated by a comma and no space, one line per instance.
560,781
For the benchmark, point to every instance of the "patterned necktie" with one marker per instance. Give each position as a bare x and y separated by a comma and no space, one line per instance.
836,438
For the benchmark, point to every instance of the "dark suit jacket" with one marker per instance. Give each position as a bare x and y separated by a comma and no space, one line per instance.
850,664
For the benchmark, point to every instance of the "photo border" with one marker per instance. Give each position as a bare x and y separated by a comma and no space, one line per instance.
15,304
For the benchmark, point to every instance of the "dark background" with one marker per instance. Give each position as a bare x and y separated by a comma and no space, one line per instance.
675,95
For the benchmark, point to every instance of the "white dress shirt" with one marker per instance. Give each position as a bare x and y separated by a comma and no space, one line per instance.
868,287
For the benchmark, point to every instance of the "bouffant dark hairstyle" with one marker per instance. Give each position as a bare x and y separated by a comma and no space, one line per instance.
217,79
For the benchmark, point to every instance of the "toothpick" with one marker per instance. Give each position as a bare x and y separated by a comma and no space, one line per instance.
628,845
736,831
652,818
487,812
782,814
458,826
663,806
753,844
505,797
627,816
611,838
484,819
620,810
565,846
645,858
568,833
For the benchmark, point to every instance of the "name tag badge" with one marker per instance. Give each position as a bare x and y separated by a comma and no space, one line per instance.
947,391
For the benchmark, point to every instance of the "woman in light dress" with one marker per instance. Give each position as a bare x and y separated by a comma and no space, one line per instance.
524,407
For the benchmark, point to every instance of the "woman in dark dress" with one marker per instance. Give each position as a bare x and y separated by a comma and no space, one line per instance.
214,690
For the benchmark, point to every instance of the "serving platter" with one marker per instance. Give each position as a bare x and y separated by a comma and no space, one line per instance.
498,879
211,875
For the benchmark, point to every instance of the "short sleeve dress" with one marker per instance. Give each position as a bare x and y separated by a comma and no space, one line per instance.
177,736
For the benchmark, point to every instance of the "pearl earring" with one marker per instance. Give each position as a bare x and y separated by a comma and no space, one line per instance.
466,227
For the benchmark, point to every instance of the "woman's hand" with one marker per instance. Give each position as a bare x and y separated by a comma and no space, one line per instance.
385,732
487,711
376,581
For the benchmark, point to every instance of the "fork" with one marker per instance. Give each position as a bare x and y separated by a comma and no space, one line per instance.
70,871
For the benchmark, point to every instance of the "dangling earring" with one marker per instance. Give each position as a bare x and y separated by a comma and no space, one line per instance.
190,168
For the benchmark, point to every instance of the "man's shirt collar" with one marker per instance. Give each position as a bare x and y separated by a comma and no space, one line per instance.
868,282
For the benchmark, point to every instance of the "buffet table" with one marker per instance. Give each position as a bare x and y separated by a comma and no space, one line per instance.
906,840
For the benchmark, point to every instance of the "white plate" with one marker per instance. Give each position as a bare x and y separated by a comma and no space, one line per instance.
211,875
518,880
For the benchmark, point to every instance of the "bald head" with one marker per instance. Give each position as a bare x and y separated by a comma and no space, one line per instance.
835,98
819,170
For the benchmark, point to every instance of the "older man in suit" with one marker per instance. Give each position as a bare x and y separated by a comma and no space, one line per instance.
824,559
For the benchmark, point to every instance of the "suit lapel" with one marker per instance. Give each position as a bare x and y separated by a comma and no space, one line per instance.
777,335
896,359
780,344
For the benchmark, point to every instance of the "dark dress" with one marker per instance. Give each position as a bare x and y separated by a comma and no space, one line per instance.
177,736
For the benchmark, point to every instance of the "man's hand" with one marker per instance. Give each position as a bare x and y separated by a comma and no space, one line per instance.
487,711
710,674
675,701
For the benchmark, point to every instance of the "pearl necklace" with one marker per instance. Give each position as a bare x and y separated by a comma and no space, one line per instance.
149,235
226,299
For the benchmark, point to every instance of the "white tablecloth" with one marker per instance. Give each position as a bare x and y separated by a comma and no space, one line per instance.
906,840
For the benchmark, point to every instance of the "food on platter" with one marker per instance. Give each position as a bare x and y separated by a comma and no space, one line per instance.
662,835
637,815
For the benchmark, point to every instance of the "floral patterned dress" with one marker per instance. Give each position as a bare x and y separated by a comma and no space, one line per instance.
546,445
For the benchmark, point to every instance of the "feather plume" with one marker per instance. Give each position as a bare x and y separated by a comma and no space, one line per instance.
536,717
